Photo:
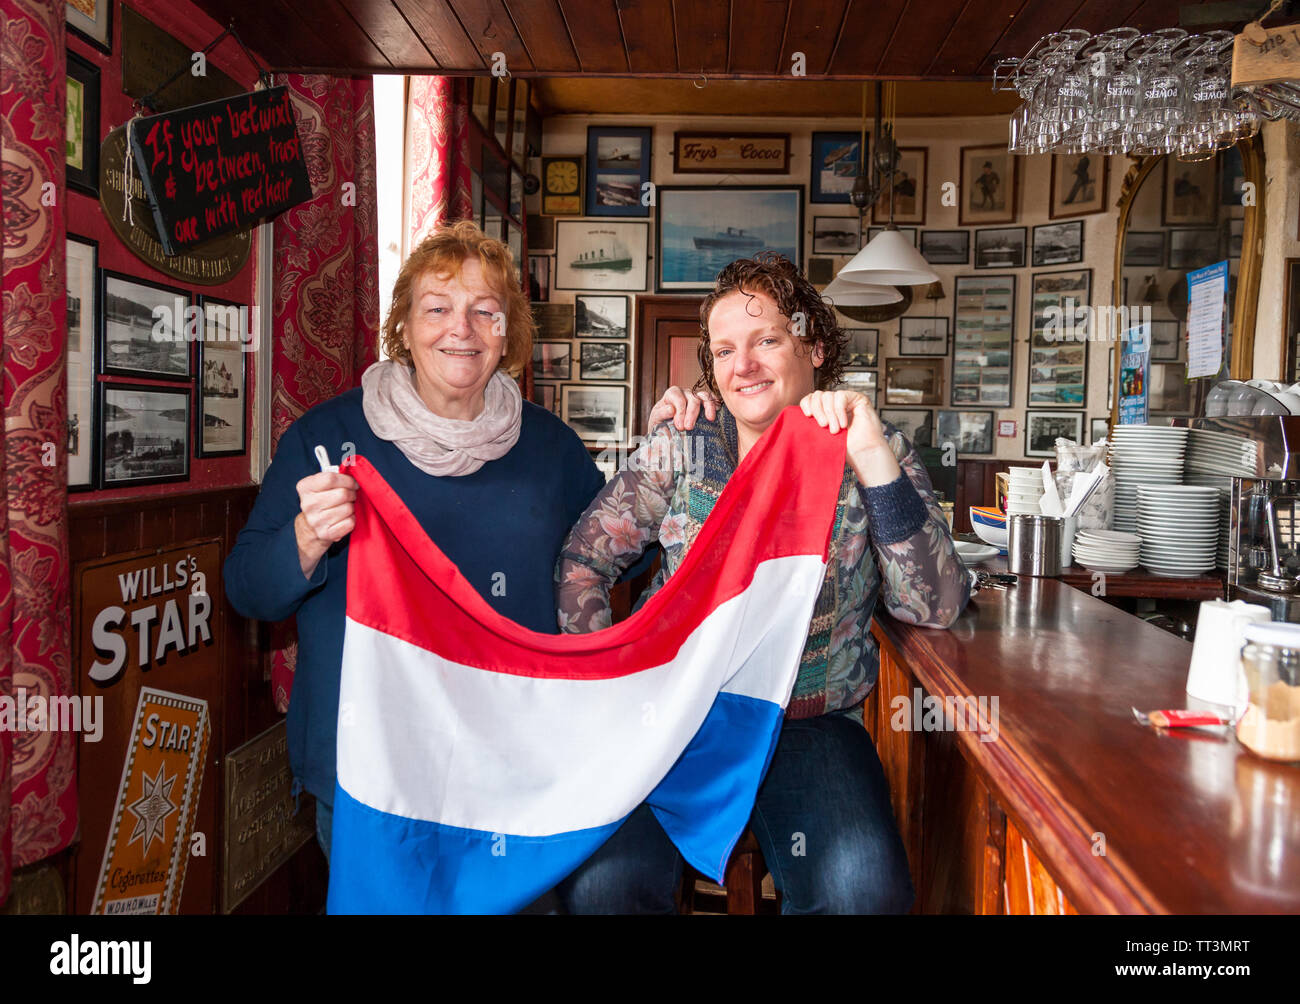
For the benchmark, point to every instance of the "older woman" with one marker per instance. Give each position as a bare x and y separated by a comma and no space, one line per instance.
494,480
822,816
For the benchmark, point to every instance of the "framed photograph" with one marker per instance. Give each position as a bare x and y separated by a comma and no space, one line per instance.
914,423
1079,182
554,320
861,349
1006,428
602,361
1192,249
1166,340
1191,193
83,310
562,179
863,381
146,434
731,153
220,420
1168,389
618,167
909,232
971,431
923,336
702,229
1043,428
552,361
908,191
820,271
1002,247
539,277
545,395
1098,429
132,311
600,255
1232,177
913,381
1144,248
836,157
836,235
601,316
1058,244
82,154
541,233
597,414
92,20
1058,341
990,177
984,317
946,247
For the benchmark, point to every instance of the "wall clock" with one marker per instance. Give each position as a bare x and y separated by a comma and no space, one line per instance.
562,186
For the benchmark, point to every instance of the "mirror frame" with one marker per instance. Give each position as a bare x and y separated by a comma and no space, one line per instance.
1242,363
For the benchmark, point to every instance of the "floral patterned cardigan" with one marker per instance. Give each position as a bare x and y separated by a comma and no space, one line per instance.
891,541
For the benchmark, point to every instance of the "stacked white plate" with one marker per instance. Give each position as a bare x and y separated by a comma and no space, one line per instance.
1224,487
1024,490
1107,550
1179,525
1221,453
1143,455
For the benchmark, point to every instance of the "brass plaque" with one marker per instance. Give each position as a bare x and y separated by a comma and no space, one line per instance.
261,830
150,55
209,264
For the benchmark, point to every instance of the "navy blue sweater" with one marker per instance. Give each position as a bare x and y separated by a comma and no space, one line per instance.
507,518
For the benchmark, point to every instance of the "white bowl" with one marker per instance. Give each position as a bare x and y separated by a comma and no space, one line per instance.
991,534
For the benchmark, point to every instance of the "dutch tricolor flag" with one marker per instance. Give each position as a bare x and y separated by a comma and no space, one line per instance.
479,762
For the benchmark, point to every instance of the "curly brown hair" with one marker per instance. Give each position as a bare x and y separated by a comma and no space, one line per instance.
442,253
778,277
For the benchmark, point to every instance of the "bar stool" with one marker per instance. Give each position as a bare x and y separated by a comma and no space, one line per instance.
743,892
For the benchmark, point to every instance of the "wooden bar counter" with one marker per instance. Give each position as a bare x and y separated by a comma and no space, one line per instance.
1073,806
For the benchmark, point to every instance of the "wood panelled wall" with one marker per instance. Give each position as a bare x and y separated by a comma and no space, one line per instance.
102,529
975,486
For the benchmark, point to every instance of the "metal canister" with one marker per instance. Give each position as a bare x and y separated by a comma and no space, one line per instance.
1034,544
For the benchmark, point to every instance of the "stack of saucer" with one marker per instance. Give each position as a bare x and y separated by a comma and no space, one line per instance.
1143,455
1107,550
1179,525
1024,491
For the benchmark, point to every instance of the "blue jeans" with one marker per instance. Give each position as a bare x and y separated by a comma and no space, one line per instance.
822,819
324,824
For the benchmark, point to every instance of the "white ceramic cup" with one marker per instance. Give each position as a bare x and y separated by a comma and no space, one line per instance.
1216,674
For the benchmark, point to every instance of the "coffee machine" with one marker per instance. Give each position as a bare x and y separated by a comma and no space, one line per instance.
1256,459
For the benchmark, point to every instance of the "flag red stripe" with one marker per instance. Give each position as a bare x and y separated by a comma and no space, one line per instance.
780,502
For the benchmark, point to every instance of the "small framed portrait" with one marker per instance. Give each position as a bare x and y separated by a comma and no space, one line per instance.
82,155
597,414
861,348
990,177
562,179
970,431
83,311
835,160
142,329
1044,428
917,424
1191,194
146,434
618,168
223,380
602,361
539,277
545,396
1079,183
923,336
820,271
1191,249
1058,244
92,20
554,320
905,202
836,235
914,381
1098,429
541,233
1166,340
601,316
1144,248
945,247
552,360
1001,247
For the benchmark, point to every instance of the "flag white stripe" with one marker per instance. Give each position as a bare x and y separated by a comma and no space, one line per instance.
426,738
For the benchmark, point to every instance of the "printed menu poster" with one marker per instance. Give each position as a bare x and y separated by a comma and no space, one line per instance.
149,842
1133,365
1206,290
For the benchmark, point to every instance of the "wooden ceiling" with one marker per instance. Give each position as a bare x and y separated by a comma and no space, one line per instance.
846,39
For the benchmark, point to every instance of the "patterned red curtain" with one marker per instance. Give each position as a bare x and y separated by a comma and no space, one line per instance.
38,788
326,293
437,155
